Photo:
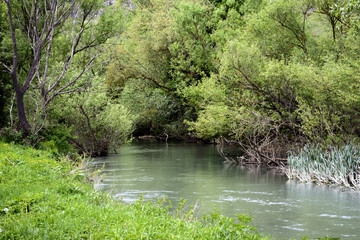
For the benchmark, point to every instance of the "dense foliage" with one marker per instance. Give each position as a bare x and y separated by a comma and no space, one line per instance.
267,75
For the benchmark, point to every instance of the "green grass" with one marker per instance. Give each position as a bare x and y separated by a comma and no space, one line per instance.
337,166
45,198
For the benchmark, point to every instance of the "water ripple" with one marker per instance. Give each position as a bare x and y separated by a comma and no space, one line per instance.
337,216
249,192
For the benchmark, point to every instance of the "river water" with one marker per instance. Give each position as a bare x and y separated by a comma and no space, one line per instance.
281,208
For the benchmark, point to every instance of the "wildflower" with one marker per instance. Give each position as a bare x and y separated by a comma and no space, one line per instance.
0,230
6,210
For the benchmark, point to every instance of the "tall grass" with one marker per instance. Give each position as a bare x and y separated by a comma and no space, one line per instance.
44,198
336,166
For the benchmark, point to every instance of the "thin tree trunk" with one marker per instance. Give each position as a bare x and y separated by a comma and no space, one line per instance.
333,27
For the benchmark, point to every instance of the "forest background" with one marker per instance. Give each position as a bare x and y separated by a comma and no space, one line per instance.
265,76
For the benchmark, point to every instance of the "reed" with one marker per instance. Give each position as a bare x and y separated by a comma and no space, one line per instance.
335,166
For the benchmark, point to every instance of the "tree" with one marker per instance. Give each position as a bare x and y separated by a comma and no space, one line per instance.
349,12
325,7
99,124
167,44
43,25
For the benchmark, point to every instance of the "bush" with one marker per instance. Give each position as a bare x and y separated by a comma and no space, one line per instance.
99,124
9,134
58,140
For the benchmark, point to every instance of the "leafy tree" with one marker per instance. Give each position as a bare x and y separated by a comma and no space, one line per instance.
281,81
38,29
349,13
224,7
154,109
98,124
326,7
169,45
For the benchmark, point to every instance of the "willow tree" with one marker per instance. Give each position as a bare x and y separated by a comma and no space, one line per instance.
79,27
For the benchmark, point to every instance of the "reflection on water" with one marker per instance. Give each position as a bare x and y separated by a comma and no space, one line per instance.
197,174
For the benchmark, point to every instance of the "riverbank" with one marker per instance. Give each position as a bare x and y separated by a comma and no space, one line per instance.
45,198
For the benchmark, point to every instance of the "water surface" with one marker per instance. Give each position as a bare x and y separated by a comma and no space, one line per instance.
281,208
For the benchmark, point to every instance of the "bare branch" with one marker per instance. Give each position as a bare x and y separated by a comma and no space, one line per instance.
6,67
79,89
86,68
47,61
11,109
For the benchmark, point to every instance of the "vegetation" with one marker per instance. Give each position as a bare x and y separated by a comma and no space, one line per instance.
45,198
266,76
339,166
52,50
86,76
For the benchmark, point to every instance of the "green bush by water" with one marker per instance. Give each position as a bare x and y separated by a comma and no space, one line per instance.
338,166
44,198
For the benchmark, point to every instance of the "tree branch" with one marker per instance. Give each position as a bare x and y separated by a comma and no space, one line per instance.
6,67
15,52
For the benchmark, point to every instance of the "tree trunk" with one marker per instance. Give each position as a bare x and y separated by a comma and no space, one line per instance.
24,124
333,27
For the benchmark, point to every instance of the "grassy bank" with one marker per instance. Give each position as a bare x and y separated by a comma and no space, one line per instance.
336,166
45,198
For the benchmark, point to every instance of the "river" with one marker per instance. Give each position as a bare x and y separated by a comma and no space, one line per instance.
281,208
